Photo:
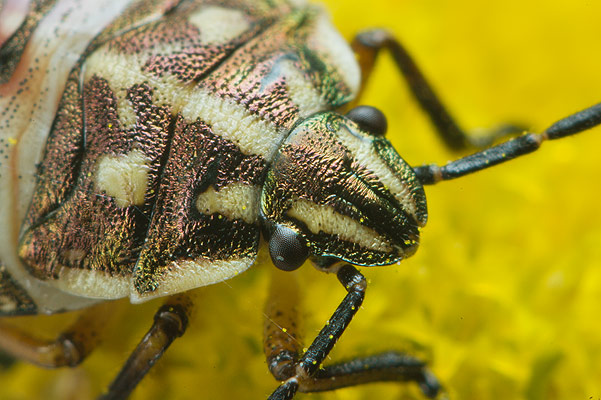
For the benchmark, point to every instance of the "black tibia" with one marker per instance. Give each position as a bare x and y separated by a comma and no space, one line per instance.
389,366
368,44
301,370
69,349
575,123
170,322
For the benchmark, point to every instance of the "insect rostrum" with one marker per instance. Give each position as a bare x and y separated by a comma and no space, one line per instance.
165,161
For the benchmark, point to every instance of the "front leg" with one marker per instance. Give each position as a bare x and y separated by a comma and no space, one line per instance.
302,370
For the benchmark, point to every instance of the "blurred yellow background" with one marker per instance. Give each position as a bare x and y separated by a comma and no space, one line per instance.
502,296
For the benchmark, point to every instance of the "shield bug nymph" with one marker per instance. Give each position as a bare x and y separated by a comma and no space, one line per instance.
144,109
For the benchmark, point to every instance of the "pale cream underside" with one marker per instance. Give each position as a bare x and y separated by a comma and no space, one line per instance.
183,275
186,275
93,284
323,218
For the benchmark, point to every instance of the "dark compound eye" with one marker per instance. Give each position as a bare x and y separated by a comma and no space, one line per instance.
288,251
370,119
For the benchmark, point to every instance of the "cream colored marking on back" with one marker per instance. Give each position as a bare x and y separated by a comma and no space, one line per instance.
122,72
234,201
57,43
301,90
227,119
233,122
365,154
190,274
123,177
125,110
322,218
329,44
219,25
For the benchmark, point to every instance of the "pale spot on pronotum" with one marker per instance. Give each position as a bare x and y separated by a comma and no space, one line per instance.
234,201
218,24
301,90
123,177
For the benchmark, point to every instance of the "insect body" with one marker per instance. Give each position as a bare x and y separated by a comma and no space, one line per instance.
138,113
183,131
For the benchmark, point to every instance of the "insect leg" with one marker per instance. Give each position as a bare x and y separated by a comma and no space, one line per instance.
575,123
281,338
170,322
367,46
69,349
302,371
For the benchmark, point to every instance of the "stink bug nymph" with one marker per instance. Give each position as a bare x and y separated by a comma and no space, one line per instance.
149,148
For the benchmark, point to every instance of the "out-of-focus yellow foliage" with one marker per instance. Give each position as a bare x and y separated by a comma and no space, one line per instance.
501,298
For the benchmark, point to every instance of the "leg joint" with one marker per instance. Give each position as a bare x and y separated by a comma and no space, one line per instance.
374,38
173,319
352,279
69,352
282,365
